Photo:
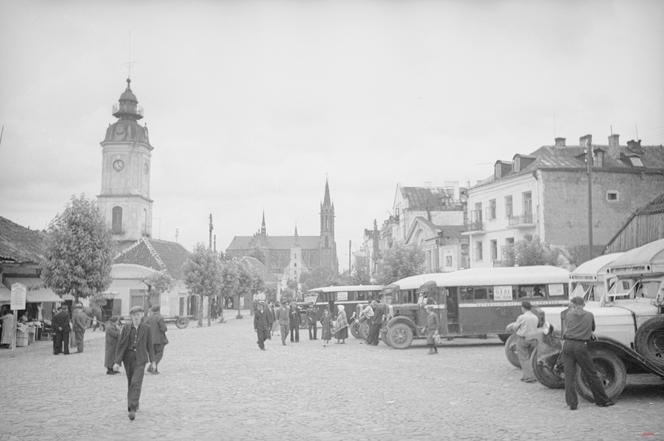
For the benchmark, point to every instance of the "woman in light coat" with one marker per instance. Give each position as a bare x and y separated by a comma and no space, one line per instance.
341,329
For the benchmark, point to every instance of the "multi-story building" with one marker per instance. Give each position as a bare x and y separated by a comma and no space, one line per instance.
545,194
445,249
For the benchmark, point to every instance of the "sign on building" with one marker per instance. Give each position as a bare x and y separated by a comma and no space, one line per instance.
18,296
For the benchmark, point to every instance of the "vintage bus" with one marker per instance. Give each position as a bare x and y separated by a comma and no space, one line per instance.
470,303
350,296
592,280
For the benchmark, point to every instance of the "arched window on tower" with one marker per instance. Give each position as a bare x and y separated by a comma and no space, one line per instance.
116,226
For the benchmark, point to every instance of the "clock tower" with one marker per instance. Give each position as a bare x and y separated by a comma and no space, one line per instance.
124,201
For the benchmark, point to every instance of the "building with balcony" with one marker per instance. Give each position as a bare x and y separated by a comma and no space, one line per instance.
545,194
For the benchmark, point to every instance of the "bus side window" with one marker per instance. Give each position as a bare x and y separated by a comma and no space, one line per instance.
538,291
480,293
466,293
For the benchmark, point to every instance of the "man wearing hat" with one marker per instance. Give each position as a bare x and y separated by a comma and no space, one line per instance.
158,330
525,328
134,350
578,326
261,324
80,322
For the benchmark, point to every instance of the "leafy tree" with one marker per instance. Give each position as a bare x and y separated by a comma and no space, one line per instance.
78,254
528,252
203,276
230,279
400,261
158,284
360,274
318,277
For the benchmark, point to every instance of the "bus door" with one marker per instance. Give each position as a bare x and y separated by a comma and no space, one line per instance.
452,308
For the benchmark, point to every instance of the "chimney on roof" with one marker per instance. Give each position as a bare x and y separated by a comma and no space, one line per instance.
585,140
614,145
634,146
560,142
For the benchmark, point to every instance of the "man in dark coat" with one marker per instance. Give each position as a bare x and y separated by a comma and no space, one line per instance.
134,350
270,319
261,325
294,321
158,330
112,335
80,322
376,322
60,325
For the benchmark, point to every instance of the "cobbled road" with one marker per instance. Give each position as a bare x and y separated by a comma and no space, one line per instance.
216,384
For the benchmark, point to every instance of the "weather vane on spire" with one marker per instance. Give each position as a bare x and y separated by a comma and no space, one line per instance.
129,62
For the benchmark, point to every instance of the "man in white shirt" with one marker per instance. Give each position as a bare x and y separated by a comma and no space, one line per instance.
525,328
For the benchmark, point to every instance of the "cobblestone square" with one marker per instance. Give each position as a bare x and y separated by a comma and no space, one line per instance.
216,384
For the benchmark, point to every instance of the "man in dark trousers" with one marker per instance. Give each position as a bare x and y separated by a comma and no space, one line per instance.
261,324
80,322
311,322
60,325
578,326
376,322
158,330
294,321
134,350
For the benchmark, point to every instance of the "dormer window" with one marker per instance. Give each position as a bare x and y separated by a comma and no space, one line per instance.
635,161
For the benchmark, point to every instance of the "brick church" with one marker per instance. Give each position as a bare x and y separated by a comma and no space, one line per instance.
285,258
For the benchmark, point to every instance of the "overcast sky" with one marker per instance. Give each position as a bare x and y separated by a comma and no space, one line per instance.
250,105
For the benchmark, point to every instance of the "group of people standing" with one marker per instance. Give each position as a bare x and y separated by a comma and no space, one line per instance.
286,317
63,325
134,345
577,330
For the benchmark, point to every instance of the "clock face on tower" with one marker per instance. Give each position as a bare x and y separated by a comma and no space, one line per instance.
118,165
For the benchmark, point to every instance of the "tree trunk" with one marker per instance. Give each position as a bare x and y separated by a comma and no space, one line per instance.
209,311
200,311
239,314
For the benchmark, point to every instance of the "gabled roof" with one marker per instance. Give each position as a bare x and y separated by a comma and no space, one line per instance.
156,254
449,232
573,158
19,244
428,198
274,242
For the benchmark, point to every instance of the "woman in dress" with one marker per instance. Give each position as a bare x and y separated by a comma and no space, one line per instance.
326,321
8,328
341,333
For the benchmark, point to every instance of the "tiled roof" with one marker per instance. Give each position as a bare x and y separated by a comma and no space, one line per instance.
274,242
20,244
427,198
573,157
156,254
654,207
450,232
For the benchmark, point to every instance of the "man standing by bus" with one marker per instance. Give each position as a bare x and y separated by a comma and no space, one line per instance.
525,327
578,327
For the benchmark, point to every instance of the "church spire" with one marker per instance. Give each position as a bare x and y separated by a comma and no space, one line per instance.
263,229
297,237
326,200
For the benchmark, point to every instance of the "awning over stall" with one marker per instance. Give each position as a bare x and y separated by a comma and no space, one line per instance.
37,292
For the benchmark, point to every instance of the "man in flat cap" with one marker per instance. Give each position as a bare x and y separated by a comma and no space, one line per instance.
80,322
158,329
577,330
261,324
134,350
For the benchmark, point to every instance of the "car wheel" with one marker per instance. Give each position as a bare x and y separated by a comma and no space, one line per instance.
649,340
400,335
510,351
355,329
546,371
612,374
182,322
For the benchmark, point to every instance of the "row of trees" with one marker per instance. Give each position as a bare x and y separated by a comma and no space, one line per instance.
79,257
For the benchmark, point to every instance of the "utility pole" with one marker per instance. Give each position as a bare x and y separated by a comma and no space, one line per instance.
589,169
349,262
211,228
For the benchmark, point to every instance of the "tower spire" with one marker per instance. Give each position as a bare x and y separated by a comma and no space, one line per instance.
326,200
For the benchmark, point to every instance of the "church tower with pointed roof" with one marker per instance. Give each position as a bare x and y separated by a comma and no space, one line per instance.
328,247
124,200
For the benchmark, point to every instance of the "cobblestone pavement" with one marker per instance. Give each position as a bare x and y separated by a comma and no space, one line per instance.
216,384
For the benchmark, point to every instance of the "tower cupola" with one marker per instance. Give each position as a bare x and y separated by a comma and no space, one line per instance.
127,107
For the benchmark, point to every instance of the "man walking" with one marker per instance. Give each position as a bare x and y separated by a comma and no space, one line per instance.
60,324
578,327
80,321
432,324
294,315
376,322
134,350
525,327
270,319
261,324
312,322
158,330
284,321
